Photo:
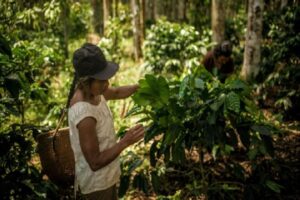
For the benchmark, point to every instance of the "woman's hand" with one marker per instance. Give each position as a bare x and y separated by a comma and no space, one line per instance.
133,135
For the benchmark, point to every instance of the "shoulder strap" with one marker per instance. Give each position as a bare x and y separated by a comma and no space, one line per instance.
60,120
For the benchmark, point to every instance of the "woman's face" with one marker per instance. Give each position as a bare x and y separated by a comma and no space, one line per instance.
99,87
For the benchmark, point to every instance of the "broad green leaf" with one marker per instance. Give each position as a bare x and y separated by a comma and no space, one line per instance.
252,153
199,83
218,103
183,87
212,117
151,133
233,102
163,89
140,99
124,185
155,181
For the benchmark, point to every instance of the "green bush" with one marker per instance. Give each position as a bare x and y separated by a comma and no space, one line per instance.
20,176
172,48
278,86
218,121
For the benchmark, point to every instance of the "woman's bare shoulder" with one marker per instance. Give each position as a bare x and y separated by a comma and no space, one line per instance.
77,97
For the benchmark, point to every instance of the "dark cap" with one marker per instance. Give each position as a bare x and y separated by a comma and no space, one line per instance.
90,61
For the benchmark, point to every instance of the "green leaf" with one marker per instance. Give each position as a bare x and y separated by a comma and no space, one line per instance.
155,181
199,83
212,117
273,186
153,151
233,102
171,135
218,103
140,182
262,129
151,133
124,185
229,187
215,151
134,165
237,84
178,154
183,87
252,153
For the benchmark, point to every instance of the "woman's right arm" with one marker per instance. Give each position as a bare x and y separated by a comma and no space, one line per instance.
90,146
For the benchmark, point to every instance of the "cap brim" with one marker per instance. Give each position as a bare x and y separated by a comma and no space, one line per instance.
109,71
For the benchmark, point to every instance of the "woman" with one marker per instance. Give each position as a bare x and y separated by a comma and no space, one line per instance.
92,133
219,61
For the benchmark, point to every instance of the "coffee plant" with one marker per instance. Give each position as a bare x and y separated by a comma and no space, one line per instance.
172,48
219,123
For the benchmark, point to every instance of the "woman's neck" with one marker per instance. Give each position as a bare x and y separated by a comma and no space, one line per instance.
79,96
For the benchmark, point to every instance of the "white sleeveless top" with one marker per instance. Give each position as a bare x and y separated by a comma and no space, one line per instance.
88,180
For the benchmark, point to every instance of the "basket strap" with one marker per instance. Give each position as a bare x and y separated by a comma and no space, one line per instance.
57,128
64,111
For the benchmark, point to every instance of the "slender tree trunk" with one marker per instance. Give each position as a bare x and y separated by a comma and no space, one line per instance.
136,29
252,52
181,10
159,8
106,12
153,10
98,16
143,18
115,7
65,18
174,6
218,21
150,10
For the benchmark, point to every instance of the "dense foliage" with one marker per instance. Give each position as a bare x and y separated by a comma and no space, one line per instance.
280,75
172,48
217,122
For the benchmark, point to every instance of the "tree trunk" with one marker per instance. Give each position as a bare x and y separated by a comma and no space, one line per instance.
174,6
253,39
283,4
181,11
153,10
218,21
136,26
115,8
65,18
98,16
106,12
159,8
143,18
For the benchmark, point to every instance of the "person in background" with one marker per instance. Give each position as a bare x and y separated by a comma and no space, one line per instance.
219,62
92,134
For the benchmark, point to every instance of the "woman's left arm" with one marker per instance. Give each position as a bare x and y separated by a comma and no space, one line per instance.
120,92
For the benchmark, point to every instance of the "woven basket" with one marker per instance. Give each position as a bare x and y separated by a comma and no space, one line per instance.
57,156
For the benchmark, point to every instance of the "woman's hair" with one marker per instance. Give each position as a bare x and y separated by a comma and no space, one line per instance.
223,49
83,84
72,90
